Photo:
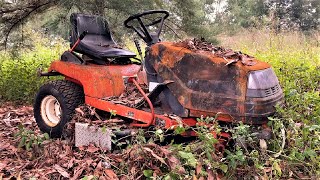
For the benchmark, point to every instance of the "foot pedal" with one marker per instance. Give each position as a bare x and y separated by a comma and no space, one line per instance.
154,93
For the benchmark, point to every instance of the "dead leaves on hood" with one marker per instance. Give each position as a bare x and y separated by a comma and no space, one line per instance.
200,45
130,97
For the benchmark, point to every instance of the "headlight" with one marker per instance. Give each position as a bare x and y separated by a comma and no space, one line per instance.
262,83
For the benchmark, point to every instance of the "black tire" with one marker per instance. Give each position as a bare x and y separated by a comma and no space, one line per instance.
67,96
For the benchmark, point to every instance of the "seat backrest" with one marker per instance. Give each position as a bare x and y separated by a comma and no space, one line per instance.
97,27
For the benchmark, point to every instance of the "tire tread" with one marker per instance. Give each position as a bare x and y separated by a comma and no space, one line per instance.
71,95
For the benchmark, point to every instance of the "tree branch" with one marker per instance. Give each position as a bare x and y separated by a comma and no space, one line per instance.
19,14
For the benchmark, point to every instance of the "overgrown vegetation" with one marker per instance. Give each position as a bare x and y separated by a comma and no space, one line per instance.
28,138
19,68
294,150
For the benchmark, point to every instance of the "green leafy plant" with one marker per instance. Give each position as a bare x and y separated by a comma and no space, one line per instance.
189,158
28,139
113,113
148,173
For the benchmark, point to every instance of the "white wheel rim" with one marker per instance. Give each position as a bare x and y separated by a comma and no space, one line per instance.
50,110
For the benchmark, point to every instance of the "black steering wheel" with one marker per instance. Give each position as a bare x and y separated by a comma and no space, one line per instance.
142,31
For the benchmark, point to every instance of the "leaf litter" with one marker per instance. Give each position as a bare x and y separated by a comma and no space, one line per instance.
202,46
60,159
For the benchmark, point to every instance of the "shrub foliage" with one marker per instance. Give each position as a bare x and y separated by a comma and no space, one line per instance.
19,81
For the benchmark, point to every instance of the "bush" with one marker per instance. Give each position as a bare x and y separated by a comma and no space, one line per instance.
19,81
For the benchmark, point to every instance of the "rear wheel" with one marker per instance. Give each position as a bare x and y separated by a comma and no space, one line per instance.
54,105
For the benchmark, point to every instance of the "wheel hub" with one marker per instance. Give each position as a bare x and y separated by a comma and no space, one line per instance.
51,111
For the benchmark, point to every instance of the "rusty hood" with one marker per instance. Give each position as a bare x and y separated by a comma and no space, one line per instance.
207,80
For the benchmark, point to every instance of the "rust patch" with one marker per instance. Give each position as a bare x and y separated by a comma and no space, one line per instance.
168,54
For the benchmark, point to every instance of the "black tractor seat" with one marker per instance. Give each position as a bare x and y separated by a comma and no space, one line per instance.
98,43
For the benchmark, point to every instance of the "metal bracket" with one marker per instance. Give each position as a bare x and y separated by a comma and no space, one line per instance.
154,93
52,73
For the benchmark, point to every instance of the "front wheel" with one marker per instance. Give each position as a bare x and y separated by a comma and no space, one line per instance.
54,105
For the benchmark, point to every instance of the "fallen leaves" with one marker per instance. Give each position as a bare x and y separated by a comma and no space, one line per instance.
59,158
110,174
62,171
91,148
200,46
130,97
3,165
51,158
154,155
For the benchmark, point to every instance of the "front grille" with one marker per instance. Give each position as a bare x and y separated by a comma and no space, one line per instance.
271,91
261,93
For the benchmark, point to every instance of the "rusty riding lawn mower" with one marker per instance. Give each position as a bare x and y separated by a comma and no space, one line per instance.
179,82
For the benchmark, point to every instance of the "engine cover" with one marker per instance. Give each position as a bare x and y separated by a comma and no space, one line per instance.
207,85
